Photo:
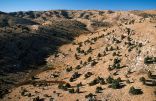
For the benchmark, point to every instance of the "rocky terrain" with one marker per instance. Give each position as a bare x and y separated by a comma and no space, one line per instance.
84,55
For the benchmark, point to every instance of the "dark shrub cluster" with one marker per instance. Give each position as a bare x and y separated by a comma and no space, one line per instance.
88,74
135,91
149,60
69,69
98,89
114,83
116,64
74,76
38,99
91,97
98,80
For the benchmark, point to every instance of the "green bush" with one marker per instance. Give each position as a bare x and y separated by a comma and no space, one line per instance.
71,90
109,79
135,91
115,84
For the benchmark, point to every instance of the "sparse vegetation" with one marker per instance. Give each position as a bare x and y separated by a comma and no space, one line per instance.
40,50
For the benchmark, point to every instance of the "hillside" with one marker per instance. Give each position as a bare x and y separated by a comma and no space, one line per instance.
78,55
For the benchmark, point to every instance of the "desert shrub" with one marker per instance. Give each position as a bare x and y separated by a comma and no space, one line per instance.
135,91
111,48
85,63
51,99
110,68
109,80
106,49
140,44
38,99
116,64
71,79
143,80
100,24
115,84
79,84
87,75
101,80
81,62
69,69
149,60
99,55
117,60
77,57
71,90
24,92
119,79
78,67
122,37
91,97
96,81
78,49
93,63
114,54
89,59
89,50
74,76
98,89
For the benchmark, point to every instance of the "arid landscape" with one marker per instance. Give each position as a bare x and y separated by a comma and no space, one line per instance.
78,55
